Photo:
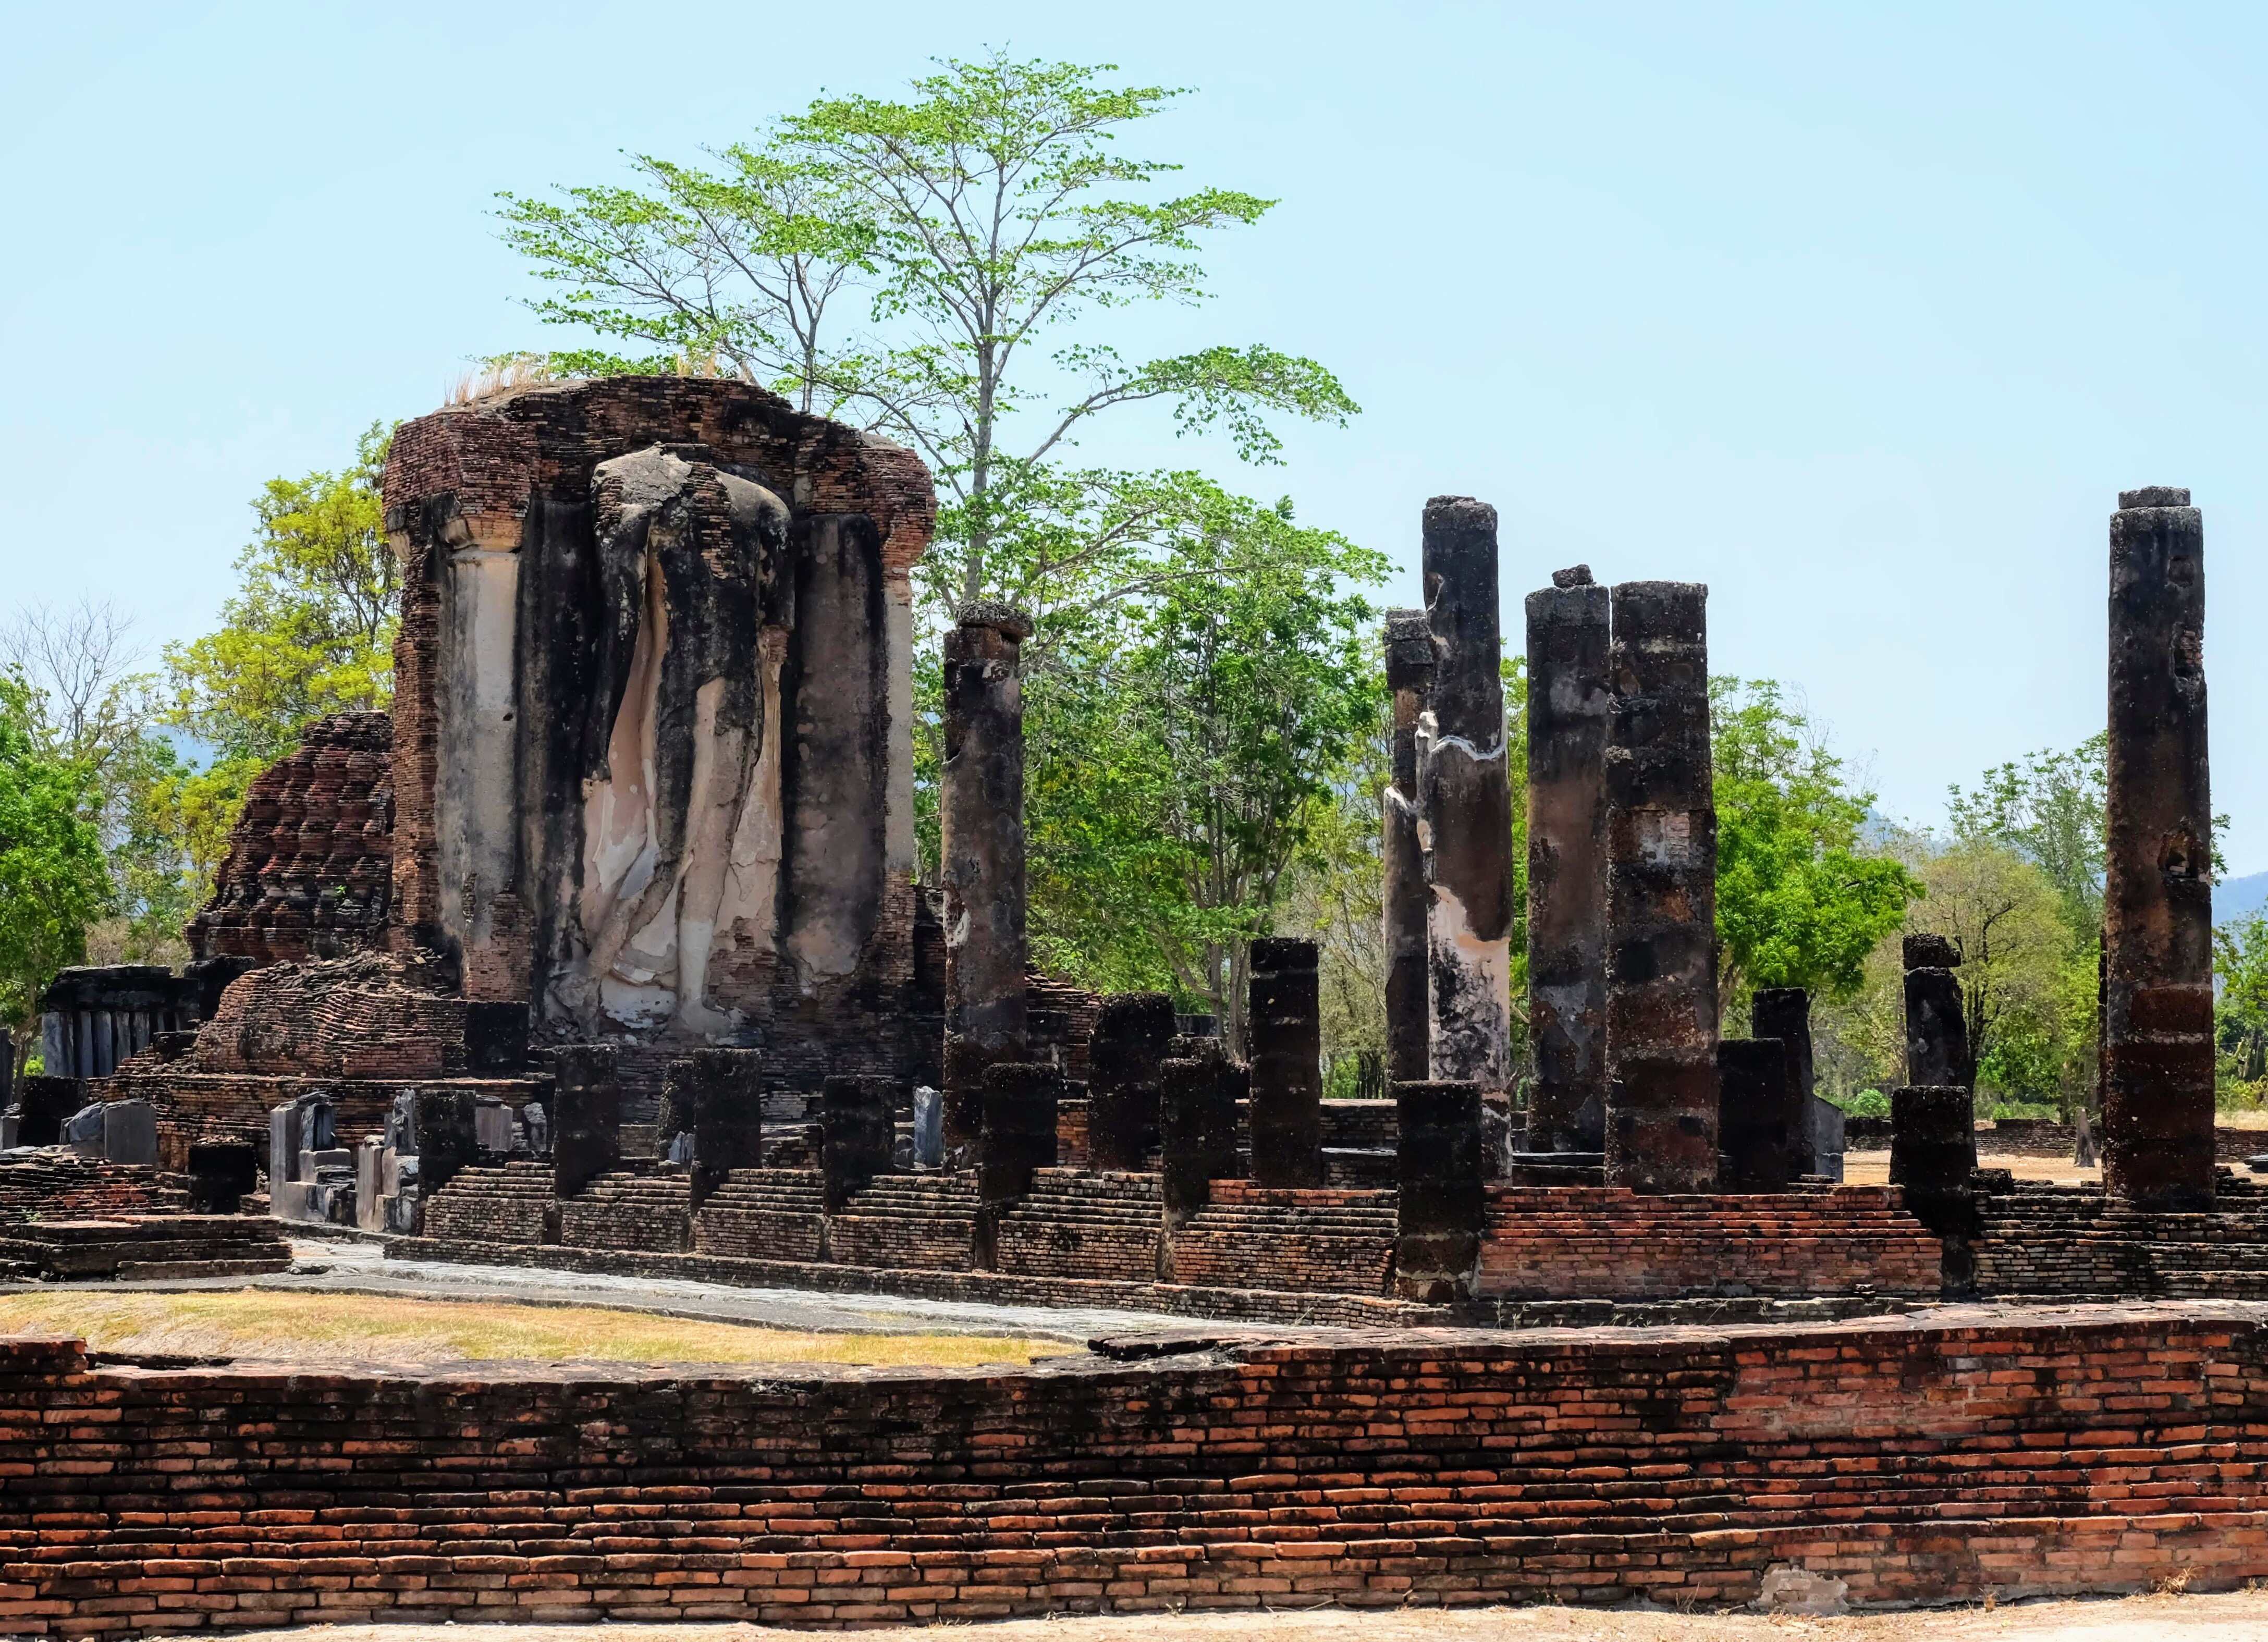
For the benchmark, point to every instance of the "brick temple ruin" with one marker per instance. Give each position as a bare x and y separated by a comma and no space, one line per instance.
605,951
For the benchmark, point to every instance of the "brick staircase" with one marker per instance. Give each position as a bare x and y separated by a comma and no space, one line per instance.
2075,1241
55,1184
1594,1242
648,1213
1085,1222
764,1214
1326,1241
913,1222
147,1246
492,1205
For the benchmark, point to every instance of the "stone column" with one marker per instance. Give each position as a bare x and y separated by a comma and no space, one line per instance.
1285,1020
1760,1125
1438,1240
1932,1152
587,1119
1785,1012
2157,902
981,806
857,1135
1661,894
1016,1140
1937,1031
1567,722
1196,1122
1465,801
446,1141
722,1105
1410,676
1131,1035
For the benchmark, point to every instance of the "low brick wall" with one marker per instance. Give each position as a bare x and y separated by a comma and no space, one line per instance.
194,1105
1609,1243
2009,1455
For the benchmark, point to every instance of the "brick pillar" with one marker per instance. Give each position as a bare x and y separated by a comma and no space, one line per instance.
1567,720
448,1138
1197,1127
1661,894
1286,1021
1465,801
587,1118
1785,1012
1410,676
1932,1152
1760,1126
1937,1031
723,1107
858,1134
980,813
1437,1237
2157,902
1016,1137
1131,1035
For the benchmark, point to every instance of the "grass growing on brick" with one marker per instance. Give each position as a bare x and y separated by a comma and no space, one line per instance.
333,1328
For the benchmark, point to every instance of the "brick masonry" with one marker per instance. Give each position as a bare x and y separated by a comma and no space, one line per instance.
2084,1450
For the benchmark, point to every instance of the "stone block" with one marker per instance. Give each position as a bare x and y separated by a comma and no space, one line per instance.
130,1132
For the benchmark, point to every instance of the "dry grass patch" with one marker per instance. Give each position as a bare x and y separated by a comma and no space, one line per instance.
313,1327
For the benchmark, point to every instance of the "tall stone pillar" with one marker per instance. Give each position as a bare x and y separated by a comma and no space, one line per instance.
1197,1122
1286,1021
1567,722
1933,1153
1465,801
1017,1138
1132,1032
1438,1222
1410,676
1937,1030
1759,1127
982,821
723,1107
1785,1012
2157,901
857,1135
586,1134
1661,894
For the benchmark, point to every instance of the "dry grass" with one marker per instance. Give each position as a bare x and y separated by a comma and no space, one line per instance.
1872,1169
334,1328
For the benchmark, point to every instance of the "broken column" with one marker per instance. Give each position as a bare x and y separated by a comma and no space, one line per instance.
1937,1030
587,1119
1438,1241
981,806
1761,1115
1932,1154
446,1143
1465,802
1408,675
2157,901
1661,894
1286,1023
857,1135
1785,1012
1016,1139
1197,1088
1131,1035
721,1104
1567,723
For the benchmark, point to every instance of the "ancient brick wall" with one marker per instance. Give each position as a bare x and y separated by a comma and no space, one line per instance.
1918,1461
1302,1241
55,1186
1606,1243
309,871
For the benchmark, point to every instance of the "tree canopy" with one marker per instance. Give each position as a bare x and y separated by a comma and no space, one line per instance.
53,880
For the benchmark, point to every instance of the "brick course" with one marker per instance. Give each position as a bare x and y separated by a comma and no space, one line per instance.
2085,1450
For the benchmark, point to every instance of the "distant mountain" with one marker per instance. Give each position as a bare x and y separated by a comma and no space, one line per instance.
2239,896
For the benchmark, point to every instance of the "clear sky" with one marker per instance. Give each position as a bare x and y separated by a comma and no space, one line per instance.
1862,315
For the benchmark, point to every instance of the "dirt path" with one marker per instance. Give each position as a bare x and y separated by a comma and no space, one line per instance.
2237,1617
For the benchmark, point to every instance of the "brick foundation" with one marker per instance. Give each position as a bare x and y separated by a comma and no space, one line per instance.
2025,1455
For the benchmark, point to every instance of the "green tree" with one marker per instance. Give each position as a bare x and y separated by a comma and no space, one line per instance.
1185,753
2240,963
1799,900
54,881
980,216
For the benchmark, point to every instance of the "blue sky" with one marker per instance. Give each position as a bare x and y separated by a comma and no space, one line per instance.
1861,315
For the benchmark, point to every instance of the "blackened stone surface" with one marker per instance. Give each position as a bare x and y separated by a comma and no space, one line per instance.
496,1038
2157,917
1661,894
587,1118
1287,1079
723,1107
45,1102
448,1137
1933,1153
221,1174
1785,1012
1442,1206
1760,1126
1937,1029
1198,1087
1409,676
1020,1127
857,1135
1131,1035
1568,718
1465,800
